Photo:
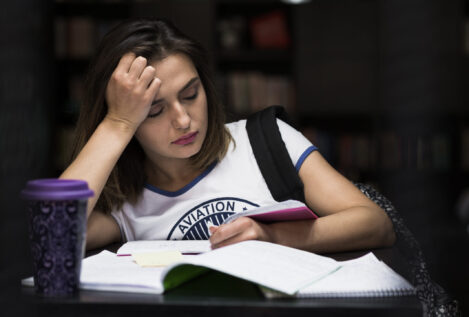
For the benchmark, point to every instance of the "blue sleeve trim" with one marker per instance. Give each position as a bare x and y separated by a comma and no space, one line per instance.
303,156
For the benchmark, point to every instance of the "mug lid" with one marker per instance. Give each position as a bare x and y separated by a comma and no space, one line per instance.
56,189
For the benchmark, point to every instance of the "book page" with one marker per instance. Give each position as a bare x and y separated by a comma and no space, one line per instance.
183,246
362,277
106,271
271,265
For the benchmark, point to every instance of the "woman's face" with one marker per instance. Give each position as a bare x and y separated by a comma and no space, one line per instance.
177,122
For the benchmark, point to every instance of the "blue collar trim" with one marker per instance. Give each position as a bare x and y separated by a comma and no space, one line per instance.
185,188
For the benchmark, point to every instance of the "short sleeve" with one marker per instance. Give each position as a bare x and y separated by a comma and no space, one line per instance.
118,217
298,146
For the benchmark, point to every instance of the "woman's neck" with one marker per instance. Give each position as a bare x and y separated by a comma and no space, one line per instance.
172,176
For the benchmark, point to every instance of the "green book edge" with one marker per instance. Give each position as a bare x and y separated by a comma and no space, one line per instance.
181,274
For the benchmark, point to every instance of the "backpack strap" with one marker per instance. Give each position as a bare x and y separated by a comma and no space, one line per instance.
272,156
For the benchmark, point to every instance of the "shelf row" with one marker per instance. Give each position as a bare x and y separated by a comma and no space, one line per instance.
390,150
353,153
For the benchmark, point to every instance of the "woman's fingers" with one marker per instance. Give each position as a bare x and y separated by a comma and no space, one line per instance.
137,67
224,232
242,236
125,62
240,230
147,76
153,88
131,90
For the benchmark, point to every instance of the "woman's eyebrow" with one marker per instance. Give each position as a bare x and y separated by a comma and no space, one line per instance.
189,83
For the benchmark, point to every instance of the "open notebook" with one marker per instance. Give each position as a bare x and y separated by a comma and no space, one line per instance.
362,277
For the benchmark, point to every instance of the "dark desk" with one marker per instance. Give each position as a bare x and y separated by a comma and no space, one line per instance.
227,296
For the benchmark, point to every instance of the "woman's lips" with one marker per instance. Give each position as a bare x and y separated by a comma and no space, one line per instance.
186,139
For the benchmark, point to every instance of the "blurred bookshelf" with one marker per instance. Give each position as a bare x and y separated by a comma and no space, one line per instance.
253,50
327,62
78,27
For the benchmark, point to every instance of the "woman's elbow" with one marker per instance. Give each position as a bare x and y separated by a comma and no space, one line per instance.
102,230
387,235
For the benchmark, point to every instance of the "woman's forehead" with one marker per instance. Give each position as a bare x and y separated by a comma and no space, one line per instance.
174,63
175,72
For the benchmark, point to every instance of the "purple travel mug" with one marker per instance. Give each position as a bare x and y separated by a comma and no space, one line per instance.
57,231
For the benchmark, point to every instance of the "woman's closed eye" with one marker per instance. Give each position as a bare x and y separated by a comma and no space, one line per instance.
191,97
191,92
188,94
155,110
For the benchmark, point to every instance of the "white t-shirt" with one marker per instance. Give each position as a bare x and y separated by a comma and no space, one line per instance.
234,184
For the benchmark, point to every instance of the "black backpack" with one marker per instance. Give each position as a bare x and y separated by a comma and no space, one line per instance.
284,183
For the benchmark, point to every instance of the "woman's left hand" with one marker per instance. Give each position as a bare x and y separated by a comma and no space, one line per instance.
241,229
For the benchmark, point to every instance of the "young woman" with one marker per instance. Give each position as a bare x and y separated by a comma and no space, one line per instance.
153,145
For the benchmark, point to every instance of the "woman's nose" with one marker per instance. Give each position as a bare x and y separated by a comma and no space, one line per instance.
180,117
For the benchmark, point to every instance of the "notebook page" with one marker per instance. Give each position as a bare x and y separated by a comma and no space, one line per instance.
106,271
362,277
271,265
183,246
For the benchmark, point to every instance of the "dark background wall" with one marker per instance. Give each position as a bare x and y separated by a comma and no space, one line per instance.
26,104
358,67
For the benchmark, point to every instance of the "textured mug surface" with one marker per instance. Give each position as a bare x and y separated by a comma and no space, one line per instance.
57,230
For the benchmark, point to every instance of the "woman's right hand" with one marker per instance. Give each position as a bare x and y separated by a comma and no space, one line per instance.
131,91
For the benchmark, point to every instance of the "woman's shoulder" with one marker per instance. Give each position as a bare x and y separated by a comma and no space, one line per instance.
236,126
237,129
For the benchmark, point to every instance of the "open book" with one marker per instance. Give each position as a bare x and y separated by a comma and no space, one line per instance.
273,266
277,269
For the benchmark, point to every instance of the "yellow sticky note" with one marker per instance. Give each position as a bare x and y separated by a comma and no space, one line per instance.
162,258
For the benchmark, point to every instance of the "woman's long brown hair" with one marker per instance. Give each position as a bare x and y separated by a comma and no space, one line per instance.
153,39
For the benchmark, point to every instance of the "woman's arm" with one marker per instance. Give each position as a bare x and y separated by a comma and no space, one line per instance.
102,230
98,157
129,94
349,220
